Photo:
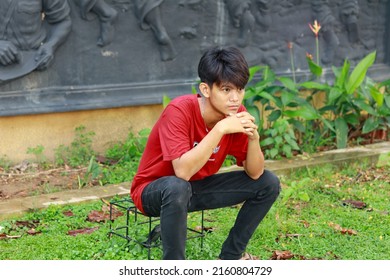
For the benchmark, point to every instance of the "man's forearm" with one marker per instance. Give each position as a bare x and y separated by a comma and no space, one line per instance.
193,160
254,163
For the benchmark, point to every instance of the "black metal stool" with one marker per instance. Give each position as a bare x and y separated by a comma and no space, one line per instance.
127,205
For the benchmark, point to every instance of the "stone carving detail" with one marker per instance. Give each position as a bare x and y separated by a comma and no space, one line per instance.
242,18
30,33
130,52
349,14
149,16
106,14
263,13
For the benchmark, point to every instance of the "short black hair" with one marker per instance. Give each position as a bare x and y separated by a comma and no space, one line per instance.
223,65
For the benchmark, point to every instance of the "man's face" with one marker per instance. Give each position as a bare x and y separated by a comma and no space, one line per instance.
226,98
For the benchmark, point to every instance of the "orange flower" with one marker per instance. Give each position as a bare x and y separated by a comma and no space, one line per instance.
290,45
315,28
309,56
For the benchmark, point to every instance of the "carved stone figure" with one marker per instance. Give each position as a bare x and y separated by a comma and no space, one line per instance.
349,12
263,13
242,18
149,16
106,14
30,33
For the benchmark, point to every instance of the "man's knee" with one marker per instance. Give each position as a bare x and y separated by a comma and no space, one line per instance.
178,191
271,182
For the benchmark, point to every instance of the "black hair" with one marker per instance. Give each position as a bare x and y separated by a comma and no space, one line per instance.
223,65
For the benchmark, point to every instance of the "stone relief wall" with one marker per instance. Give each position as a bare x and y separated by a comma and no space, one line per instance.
89,54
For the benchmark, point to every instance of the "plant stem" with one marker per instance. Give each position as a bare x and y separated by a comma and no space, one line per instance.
317,51
292,64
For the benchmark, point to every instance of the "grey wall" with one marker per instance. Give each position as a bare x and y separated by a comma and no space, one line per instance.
132,71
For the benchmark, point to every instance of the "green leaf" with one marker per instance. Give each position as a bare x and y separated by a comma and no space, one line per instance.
358,74
249,93
274,115
377,96
384,83
252,71
297,125
268,74
194,89
364,106
166,100
287,150
255,112
314,85
329,124
352,119
288,83
387,100
267,142
145,132
305,112
278,140
333,95
273,153
287,97
341,133
370,124
314,68
342,75
293,144
267,96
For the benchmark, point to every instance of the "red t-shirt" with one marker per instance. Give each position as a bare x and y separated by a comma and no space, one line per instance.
179,128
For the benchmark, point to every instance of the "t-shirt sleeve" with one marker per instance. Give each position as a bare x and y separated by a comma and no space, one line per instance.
174,133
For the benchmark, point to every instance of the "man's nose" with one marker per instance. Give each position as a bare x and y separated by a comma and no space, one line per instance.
234,95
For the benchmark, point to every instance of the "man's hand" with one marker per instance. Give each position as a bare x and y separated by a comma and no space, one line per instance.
9,53
240,122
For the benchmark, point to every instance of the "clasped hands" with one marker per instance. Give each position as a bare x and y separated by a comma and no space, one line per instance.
241,122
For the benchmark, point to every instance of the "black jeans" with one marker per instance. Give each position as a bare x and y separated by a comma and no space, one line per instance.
171,198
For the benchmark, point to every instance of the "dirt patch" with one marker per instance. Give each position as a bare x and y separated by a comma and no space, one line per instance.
29,180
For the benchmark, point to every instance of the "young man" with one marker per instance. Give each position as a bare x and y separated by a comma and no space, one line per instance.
187,146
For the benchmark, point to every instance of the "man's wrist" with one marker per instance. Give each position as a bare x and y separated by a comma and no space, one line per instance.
220,128
254,137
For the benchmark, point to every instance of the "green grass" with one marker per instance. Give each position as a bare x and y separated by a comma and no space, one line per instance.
306,220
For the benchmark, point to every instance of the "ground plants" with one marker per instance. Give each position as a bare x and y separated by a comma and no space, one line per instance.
352,106
274,102
38,152
344,103
121,160
80,150
327,212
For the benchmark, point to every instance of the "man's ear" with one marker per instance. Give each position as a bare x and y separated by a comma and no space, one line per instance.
204,89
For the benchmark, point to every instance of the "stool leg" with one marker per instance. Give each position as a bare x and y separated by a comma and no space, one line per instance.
150,230
202,231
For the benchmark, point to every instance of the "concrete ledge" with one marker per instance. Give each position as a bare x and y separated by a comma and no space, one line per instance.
369,153
12,207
